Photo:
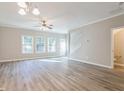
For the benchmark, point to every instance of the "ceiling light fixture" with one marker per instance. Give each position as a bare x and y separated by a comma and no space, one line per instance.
27,7
22,12
43,28
36,11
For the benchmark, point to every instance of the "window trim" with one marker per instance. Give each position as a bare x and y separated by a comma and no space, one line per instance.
22,38
48,45
65,51
44,45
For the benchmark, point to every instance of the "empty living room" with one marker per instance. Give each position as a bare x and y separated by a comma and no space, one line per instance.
61,46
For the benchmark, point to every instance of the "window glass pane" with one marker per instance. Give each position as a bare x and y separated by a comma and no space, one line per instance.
40,44
62,46
51,44
27,44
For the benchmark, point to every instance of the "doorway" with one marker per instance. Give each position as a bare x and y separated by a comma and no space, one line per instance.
118,48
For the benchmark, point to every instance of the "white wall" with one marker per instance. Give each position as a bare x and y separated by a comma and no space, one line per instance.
92,43
10,43
119,44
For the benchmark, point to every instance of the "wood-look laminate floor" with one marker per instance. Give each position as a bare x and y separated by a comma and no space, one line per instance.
58,74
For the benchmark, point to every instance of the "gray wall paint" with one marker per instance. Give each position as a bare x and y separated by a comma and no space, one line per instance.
92,43
11,48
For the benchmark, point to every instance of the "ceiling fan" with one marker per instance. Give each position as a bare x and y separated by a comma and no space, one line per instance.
119,9
44,26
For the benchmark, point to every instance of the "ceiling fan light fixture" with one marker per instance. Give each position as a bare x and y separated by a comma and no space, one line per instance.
22,12
36,11
40,28
22,4
44,28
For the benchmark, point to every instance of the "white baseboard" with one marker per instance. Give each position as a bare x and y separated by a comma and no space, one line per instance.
5,61
87,62
22,59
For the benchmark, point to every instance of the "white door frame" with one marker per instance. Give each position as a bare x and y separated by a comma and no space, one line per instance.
112,44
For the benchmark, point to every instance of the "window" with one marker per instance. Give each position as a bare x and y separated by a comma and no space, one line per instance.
27,44
40,44
51,44
62,46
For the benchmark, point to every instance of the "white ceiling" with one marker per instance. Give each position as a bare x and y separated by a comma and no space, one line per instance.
64,16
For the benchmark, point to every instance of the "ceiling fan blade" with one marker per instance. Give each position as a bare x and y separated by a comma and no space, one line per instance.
49,27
